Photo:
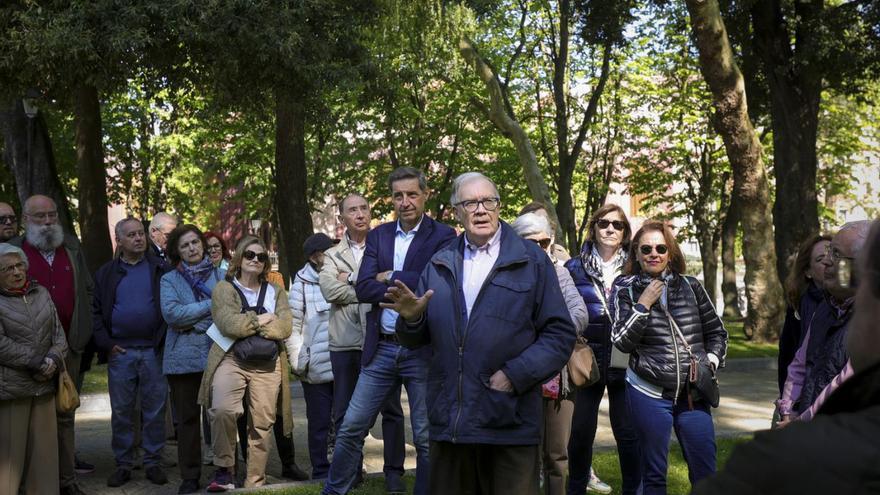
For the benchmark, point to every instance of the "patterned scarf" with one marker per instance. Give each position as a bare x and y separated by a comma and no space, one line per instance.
20,291
594,260
196,275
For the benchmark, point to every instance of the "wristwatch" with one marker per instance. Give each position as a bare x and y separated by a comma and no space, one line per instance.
350,280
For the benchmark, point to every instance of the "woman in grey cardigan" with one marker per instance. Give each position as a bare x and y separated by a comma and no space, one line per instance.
186,307
32,349
558,404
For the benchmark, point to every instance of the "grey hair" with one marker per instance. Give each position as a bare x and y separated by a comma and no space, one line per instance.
162,218
6,248
401,173
350,196
117,229
463,179
530,224
860,230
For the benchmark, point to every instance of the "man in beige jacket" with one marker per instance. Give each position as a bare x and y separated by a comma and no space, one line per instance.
348,324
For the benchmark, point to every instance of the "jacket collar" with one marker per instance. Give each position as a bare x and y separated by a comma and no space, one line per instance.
513,250
308,274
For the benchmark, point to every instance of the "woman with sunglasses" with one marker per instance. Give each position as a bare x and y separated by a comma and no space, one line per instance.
601,260
558,397
665,320
252,318
185,294
217,250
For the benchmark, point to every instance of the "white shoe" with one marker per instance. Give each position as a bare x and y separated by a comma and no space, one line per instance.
596,485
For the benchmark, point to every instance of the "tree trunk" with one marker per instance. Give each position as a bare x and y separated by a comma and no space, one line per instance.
751,187
728,261
291,178
28,154
509,127
93,223
795,92
709,259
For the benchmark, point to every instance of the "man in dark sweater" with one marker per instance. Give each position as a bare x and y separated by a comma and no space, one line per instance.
128,324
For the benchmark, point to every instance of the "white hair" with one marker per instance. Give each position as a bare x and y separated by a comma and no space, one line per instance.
530,224
162,218
860,230
9,249
463,179
44,237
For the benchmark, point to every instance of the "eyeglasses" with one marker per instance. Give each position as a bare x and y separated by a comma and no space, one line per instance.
835,254
617,224
215,247
470,206
7,219
43,215
11,268
660,248
250,255
544,243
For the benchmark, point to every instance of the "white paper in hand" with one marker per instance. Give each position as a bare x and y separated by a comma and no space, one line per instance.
223,341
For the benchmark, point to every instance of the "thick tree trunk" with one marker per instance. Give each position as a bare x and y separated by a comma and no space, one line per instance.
763,289
728,261
795,92
509,127
28,154
291,179
92,176
709,260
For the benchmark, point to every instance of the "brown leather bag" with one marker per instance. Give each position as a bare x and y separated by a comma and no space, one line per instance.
583,370
66,398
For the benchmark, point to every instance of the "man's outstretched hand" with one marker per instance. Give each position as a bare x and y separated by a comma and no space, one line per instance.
405,302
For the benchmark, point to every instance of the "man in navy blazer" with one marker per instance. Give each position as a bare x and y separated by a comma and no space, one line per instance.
395,251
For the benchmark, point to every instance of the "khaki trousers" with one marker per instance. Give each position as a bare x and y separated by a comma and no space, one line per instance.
28,446
66,439
554,445
231,381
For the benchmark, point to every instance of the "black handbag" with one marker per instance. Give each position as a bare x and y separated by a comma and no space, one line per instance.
256,349
702,382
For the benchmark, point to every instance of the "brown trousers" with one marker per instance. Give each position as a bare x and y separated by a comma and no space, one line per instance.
554,445
231,380
476,469
29,446
66,438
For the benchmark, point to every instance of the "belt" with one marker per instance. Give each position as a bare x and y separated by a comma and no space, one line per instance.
389,337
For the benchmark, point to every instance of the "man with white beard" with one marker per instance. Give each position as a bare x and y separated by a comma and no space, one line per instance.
56,261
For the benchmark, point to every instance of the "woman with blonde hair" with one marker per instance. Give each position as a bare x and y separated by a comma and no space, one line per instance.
252,319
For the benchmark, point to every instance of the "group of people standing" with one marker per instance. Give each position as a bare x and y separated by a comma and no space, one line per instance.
477,327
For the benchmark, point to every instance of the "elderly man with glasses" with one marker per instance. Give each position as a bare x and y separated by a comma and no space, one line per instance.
56,261
490,309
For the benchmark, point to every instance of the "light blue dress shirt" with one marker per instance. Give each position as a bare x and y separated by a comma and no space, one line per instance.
477,264
402,241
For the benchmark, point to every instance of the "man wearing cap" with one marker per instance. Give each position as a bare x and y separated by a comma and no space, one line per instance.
394,251
348,320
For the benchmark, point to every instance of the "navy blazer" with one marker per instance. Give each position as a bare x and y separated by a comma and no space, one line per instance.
379,257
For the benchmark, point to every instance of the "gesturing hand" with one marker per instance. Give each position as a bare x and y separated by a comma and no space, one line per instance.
651,294
405,302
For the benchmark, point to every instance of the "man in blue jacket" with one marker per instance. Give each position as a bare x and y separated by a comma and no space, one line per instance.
128,324
395,252
492,313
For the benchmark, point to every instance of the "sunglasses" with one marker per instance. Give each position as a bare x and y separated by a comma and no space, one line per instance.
660,248
250,255
7,219
544,243
617,224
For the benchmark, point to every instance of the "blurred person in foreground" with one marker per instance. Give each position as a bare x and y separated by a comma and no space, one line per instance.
32,350
837,451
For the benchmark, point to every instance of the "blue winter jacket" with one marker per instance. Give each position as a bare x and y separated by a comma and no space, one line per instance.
519,324
186,343
592,290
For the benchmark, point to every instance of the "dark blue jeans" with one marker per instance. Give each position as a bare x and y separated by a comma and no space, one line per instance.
137,371
654,419
583,432
391,366
319,405
346,370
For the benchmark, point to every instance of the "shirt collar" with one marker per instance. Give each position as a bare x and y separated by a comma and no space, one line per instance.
413,230
493,242
355,245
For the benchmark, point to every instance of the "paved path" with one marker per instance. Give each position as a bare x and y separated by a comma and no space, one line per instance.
747,394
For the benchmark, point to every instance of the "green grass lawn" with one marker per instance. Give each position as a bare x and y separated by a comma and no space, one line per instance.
739,347
605,463
95,381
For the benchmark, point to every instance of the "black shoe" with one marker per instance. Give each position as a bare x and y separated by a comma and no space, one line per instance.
293,472
394,484
189,486
119,477
73,489
156,475
82,467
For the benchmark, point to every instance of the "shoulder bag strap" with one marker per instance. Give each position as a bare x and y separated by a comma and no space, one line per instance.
262,297
244,303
